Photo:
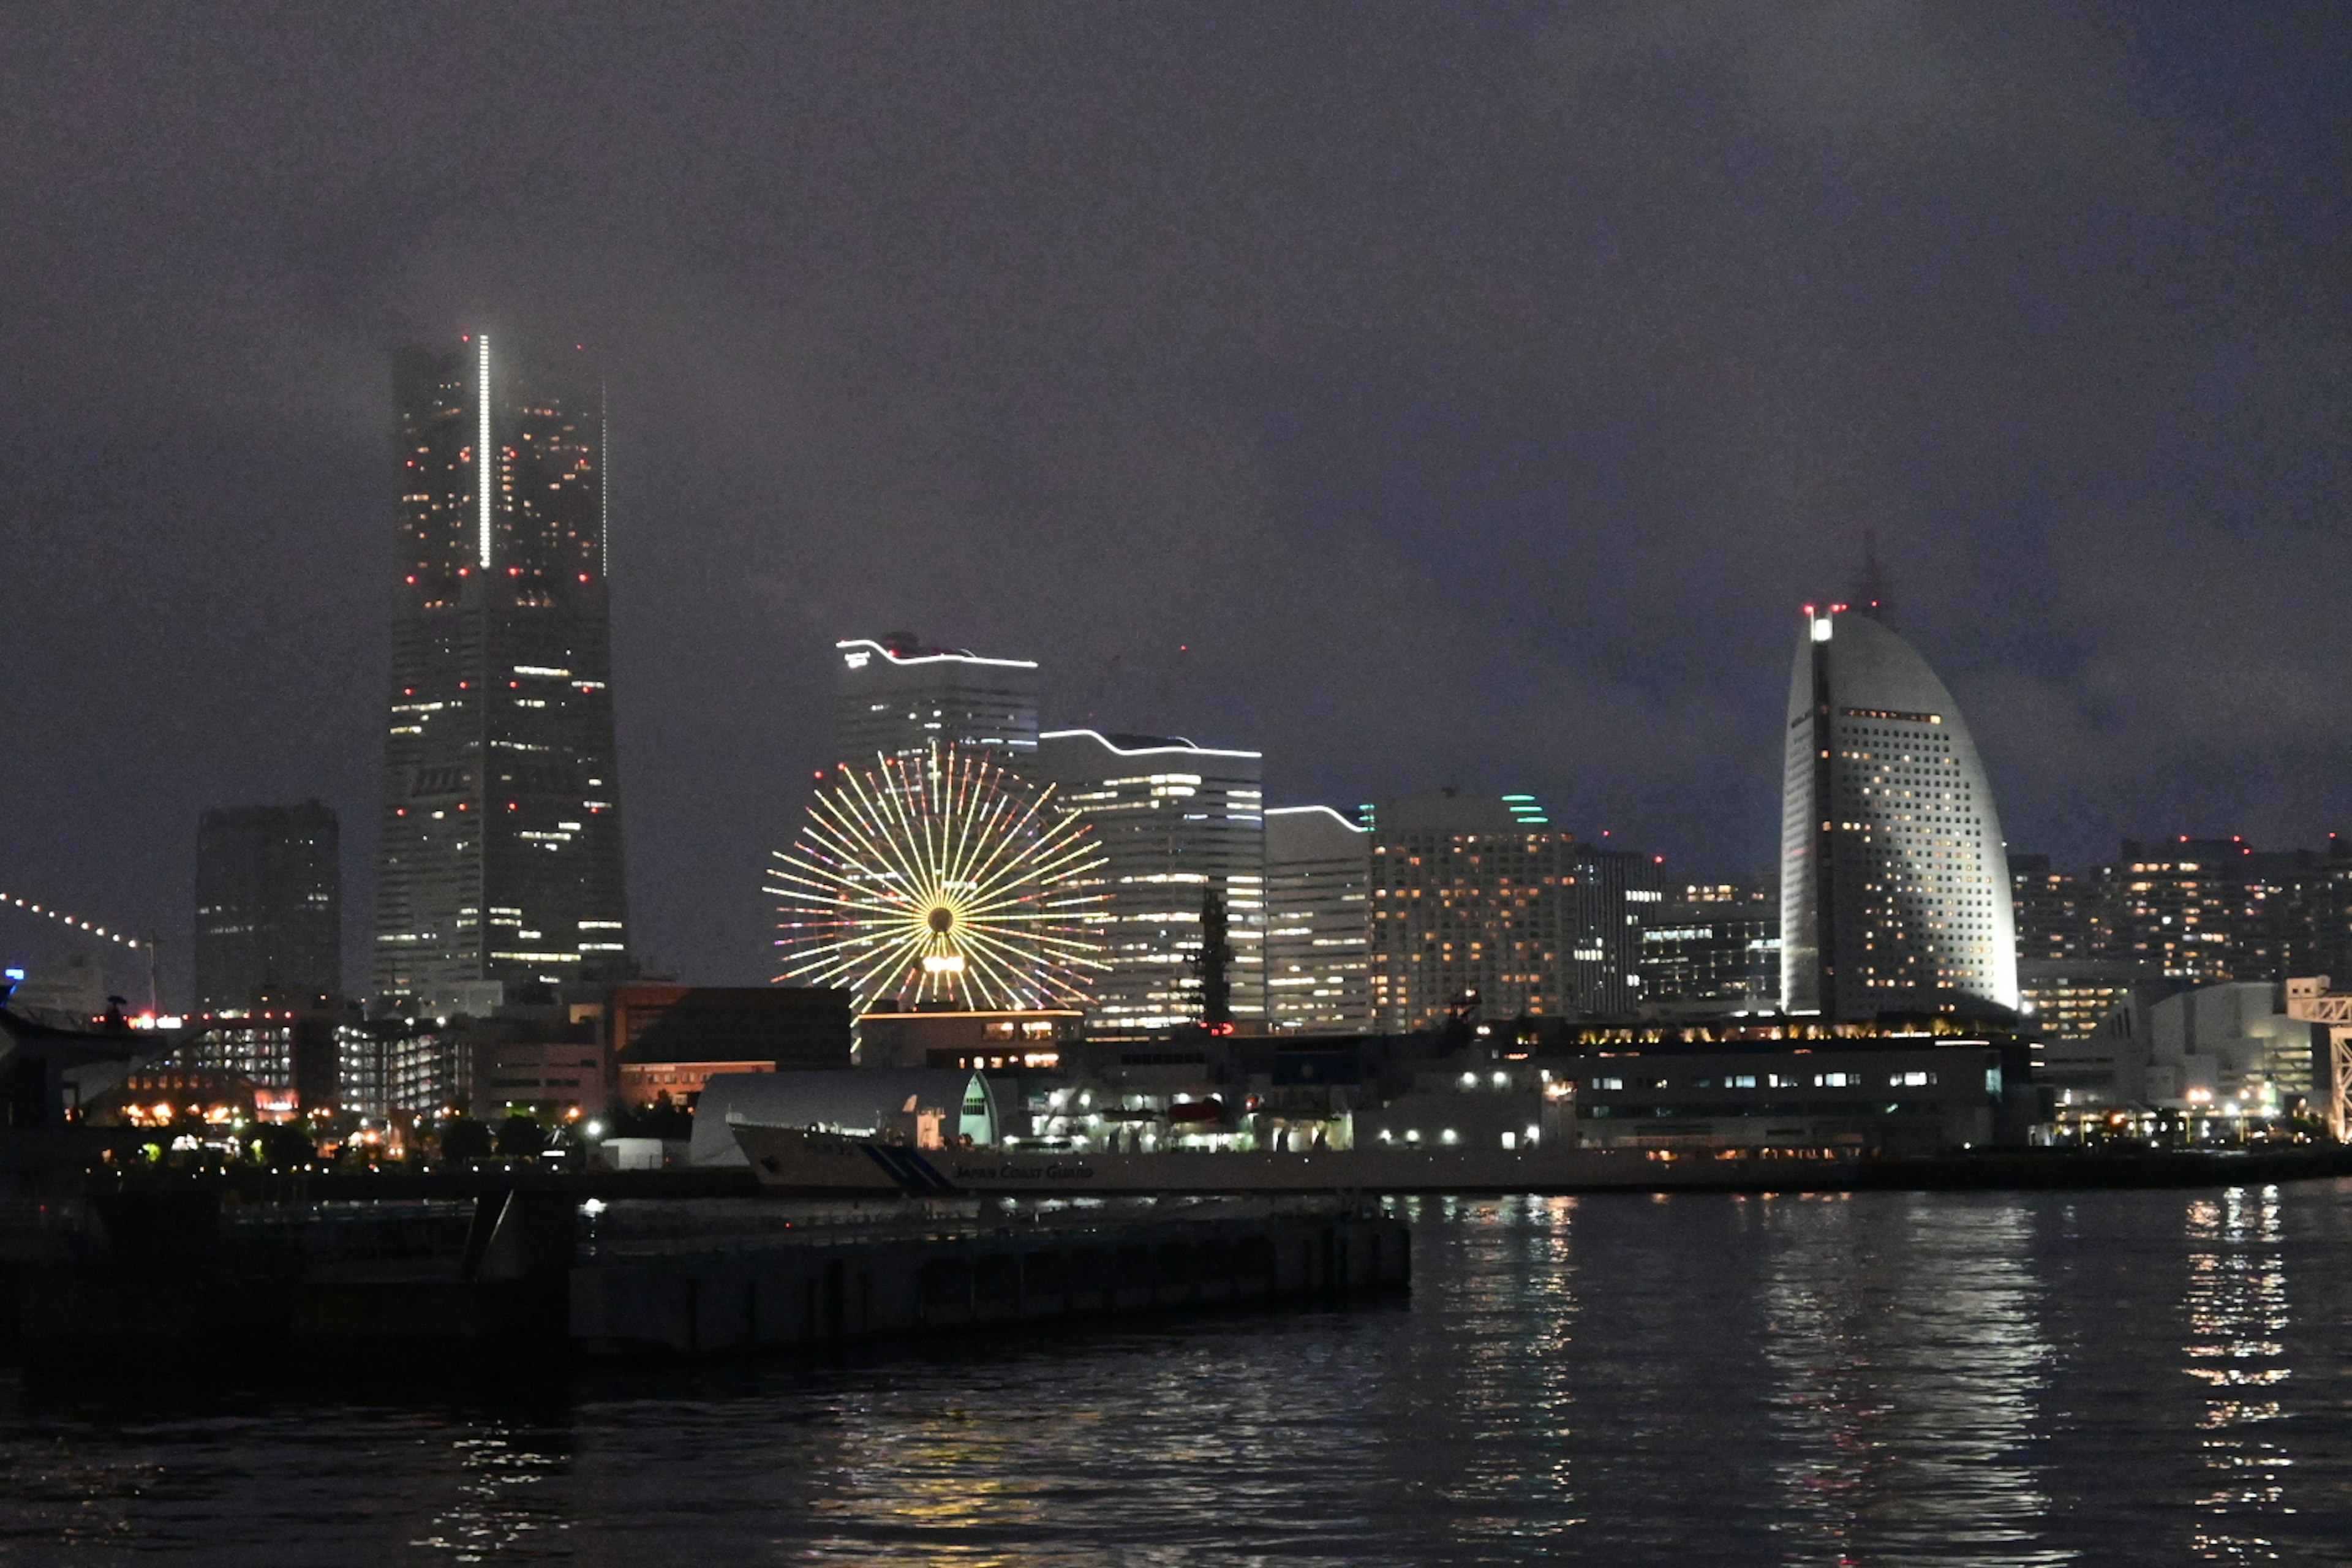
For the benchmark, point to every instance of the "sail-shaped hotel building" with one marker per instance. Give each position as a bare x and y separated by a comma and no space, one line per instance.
1894,879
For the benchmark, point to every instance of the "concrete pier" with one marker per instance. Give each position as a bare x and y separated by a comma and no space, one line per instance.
827,1290
542,1270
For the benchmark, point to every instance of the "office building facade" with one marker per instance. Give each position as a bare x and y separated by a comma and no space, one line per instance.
1478,904
899,697
1319,920
1894,888
1715,943
268,903
2067,998
1175,821
500,862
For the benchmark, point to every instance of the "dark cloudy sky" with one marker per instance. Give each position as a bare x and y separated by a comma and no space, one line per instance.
1478,391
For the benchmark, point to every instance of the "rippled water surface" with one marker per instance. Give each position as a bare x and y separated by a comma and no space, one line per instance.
1886,1378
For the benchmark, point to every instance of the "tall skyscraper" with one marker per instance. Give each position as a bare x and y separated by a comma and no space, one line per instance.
898,697
500,850
1895,891
1175,821
1478,901
1319,920
270,903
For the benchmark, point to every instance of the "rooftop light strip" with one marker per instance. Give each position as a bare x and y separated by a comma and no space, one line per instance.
1297,810
1185,747
482,450
942,656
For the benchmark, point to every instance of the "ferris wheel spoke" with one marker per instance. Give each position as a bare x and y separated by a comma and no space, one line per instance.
946,872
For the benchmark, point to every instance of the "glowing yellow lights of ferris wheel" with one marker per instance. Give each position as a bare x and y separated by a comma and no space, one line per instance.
944,876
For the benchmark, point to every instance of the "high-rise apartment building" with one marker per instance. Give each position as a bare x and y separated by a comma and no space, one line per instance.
1478,902
1319,920
2177,907
1175,821
899,697
269,911
499,862
2053,912
1895,891
2209,910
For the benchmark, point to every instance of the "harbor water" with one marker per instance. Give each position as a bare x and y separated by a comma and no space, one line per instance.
2125,1377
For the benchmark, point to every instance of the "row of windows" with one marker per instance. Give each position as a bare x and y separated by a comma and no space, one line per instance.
1911,1078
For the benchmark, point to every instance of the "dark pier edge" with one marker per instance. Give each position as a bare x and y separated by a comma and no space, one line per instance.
167,1269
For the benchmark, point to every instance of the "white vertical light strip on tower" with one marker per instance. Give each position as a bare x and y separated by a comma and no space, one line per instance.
603,487
482,451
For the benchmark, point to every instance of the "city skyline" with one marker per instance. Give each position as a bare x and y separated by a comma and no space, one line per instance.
1152,782
1236,435
997,715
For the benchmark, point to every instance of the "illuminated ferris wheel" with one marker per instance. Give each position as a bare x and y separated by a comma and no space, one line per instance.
940,879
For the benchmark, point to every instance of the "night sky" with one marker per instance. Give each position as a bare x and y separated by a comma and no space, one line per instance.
1476,391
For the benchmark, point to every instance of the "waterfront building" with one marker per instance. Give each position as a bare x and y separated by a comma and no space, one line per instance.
1713,943
160,1095
1018,1042
1319,920
672,1040
899,697
1733,1083
1894,890
1479,905
1175,821
2236,1050
287,1046
499,861
1454,1103
1889,1095
551,1074
268,903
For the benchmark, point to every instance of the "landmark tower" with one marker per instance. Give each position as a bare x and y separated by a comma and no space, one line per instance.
500,856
